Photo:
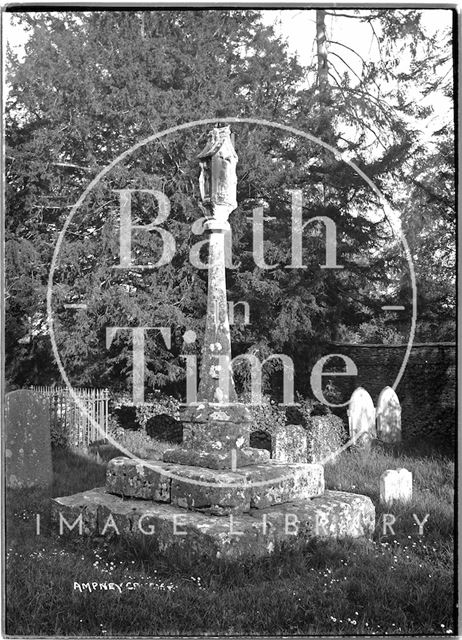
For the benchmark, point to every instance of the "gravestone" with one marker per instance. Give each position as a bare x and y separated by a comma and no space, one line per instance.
28,443
289,443
164,427
285,442
325,437
388,416
361,418
395,486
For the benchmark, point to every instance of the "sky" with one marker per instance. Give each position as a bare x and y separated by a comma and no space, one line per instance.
298,28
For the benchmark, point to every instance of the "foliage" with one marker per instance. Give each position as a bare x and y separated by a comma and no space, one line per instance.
267,416
95,83
66,120
375,331
157,404
66,434
139,444
429,221
59,434
126,416
115,430
391,107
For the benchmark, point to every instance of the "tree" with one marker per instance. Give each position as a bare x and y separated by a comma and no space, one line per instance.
92,85
391,107
429,221
95,83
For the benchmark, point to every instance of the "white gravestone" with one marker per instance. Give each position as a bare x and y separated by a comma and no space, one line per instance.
388,416
27,441
395,486
361,418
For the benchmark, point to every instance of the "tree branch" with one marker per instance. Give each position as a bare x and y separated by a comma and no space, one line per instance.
73,166
332,53
350,49
345,15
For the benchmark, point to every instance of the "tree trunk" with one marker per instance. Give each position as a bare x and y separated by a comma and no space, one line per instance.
323,79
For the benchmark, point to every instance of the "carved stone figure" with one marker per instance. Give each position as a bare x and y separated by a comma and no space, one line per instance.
218,180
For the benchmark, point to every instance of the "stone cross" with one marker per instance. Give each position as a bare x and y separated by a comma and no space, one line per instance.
216,429
218,188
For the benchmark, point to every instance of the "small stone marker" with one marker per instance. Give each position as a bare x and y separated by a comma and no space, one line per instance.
388,416
361,418
325,438
28,444
395,486
289,443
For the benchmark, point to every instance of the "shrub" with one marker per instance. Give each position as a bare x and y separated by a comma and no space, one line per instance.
126,416
305,410
65,435
374,330
59,434
139,428
140,444
157,404
266,416
114,429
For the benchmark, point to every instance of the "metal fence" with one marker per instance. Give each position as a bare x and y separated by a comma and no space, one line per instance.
67,419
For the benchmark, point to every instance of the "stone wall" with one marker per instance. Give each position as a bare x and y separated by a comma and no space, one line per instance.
427,390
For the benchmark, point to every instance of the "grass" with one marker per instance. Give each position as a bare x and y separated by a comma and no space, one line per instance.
397,583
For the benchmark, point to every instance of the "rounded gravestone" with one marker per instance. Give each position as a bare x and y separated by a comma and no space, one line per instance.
164,427
388,416
361,418
28,442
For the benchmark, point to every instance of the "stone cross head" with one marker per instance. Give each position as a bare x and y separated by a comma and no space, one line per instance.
218,179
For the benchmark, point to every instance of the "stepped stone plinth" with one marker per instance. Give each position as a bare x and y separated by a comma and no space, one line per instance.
217,436
215,494
213,491
217,459
335,514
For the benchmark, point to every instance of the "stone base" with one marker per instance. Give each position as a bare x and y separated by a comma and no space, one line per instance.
336,514
213,491
216,459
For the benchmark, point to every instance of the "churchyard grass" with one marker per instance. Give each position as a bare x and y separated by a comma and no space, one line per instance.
401,582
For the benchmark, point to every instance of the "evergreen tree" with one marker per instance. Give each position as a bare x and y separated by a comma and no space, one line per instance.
92,85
